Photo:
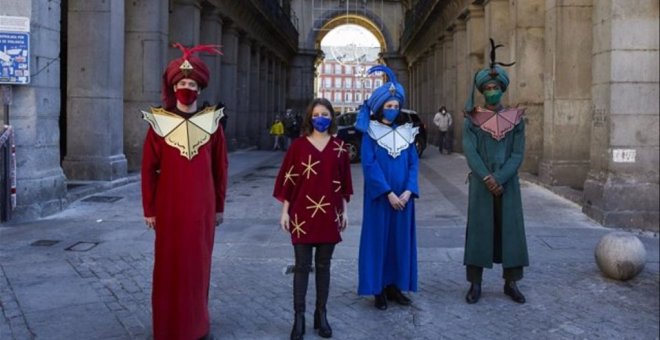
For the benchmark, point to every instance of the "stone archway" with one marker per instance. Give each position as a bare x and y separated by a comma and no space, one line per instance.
335,18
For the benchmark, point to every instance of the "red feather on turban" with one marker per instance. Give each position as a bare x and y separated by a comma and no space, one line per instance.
188,66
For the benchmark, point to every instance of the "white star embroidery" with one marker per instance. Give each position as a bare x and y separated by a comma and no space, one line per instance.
340,148
317,205
297,226
289,176
309,166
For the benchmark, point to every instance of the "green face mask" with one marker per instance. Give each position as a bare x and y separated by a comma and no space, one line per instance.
493,96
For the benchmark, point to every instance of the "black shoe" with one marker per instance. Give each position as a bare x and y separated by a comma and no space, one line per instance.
380,301
394,293
512,291
474,293
298,331
321,323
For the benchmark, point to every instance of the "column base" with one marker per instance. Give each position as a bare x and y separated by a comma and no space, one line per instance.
95,168
564,173
615,201
39,197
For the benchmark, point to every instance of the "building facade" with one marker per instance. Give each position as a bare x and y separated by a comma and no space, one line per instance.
586,70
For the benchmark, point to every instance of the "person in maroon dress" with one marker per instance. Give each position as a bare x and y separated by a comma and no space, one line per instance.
184,180
314,185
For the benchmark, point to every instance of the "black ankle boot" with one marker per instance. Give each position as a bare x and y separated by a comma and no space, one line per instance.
474,293
380,301
394,293
298,331
321,323
511,289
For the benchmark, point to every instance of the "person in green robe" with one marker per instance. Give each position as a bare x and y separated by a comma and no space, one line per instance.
494,145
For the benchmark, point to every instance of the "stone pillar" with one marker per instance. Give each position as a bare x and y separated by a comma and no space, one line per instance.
265,141
450,74
242,116
184,25
437,76
255,123
622,185
526,46
211,34
301,80
34,112
462,83
476,41
442,85
144,63
229,82
498,26
567,82
95,88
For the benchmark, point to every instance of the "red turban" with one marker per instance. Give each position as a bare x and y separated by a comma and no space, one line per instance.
188,66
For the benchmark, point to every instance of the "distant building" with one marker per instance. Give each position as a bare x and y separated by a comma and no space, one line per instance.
341,76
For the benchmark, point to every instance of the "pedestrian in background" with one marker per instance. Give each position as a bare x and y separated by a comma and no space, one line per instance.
494,146
277,131
291,127
388,245
184,181
444,122
314,185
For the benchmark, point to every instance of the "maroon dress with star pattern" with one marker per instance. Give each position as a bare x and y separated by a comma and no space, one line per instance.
314,183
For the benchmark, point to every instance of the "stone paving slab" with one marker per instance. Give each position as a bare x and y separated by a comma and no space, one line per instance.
104,292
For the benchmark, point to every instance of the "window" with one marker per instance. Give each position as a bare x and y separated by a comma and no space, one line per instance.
348,82
366,96
327,95
338,83
328,68
327,82
348,69
358,97
348,97
337,97
379,82
337,69
358,83
367,83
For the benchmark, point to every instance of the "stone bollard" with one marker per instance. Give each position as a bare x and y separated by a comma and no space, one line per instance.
620,256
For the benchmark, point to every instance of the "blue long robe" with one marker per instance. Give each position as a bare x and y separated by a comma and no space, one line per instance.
388,245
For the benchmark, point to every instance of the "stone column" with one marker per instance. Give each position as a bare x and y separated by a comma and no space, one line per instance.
526,46
255,123
301,80
264,113
144,63
34,112
567,107
622,185
475,39
211,34
242,116
498,26
229,82
437,76
184,25
450,74
442,85
95,88
462,84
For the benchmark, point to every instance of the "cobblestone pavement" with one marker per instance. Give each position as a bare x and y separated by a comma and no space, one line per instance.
95,282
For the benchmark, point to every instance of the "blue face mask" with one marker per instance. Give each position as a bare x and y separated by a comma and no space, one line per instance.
321,124
390,114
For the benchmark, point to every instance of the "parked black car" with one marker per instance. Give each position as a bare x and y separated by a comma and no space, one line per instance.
346,131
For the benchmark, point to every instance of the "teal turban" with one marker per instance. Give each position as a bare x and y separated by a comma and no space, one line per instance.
391,90
484,76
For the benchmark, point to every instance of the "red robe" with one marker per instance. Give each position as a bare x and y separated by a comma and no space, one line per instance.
184,195
315,183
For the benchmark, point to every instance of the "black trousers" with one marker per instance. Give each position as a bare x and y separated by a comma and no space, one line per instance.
474,273
303,253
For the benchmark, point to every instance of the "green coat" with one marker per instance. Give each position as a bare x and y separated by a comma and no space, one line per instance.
485,155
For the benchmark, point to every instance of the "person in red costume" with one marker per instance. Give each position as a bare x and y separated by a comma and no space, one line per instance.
314,185
184,181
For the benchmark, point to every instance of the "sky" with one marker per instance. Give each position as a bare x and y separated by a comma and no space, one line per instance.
350,34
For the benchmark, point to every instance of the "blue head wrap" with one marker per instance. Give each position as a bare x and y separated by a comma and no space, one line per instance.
391,90
494,73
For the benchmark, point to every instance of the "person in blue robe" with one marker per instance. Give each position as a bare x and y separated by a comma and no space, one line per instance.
388,245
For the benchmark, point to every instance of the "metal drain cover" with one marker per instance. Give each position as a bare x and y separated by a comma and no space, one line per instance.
44,243
82,246
102,199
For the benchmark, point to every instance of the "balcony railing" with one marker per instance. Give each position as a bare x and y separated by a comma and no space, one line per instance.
280,18
415,18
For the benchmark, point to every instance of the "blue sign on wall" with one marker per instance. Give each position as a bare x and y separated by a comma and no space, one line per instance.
14,58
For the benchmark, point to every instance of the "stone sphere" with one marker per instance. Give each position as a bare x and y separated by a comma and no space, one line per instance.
620,256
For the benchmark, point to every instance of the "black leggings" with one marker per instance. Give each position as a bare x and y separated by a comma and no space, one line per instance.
303,253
